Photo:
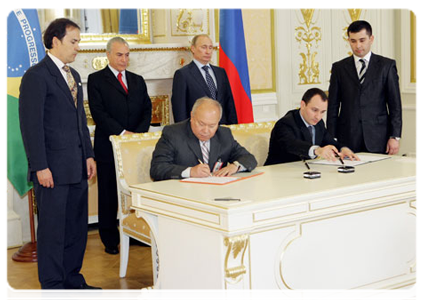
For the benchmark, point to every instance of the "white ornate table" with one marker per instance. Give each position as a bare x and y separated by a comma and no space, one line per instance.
342,231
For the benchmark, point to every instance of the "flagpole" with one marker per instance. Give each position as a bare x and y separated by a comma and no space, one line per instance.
28,252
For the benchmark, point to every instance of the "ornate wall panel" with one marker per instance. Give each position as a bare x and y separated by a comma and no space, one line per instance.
258,28
188,22
308,35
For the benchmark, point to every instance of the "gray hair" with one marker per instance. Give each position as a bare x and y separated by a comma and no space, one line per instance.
208,100
116,39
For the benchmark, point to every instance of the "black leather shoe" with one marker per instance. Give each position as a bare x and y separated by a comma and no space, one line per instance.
61,297
86,290
112,251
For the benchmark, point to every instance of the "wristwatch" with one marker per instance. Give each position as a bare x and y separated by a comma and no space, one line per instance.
395,138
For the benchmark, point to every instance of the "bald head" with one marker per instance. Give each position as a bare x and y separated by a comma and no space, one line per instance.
205,116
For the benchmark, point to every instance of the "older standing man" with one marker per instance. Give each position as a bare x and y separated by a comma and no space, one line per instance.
119,104
60,157
201,79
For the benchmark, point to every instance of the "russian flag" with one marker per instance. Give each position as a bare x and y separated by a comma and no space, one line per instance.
233,58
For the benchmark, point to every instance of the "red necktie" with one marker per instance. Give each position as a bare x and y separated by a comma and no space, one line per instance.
121,82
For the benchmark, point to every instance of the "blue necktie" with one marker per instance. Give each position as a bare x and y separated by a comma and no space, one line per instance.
210,82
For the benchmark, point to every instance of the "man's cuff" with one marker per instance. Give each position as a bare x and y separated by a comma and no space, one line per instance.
186,173
241,168
311,151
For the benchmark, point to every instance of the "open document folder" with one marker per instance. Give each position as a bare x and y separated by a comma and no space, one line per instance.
222,180
364,159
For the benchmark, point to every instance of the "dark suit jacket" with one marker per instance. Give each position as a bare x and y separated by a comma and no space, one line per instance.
373,107
54,131
290,139
114,111
178,148
189,85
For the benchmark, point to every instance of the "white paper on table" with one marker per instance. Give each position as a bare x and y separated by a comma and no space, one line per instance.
364,159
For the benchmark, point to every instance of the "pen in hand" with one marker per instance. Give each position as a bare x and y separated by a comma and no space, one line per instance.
339,157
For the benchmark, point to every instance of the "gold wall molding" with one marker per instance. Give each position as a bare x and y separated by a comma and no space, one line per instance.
308,33
149,49
413,47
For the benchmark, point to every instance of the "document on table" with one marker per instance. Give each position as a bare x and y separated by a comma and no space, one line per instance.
364,159
221,180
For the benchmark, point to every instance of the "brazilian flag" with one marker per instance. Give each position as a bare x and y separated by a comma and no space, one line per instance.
24,49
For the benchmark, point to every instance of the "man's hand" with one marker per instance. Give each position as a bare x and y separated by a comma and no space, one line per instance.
327,152
45,178
200,170
128,132
91,168
347,152
226,171
392,147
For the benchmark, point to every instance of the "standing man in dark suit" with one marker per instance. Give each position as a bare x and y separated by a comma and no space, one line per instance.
201,79
119,104
60,157
301,133
364,109
199,147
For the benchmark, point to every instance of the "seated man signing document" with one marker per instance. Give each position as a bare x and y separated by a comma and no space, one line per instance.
301,133
199,147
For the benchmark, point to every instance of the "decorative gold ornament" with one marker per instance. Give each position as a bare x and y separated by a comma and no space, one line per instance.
99,63
234,264
185,22
355,14
90,120
160,110
309,68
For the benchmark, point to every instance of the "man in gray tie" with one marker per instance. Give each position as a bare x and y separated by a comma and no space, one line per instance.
199,147
301,133
364,109
201,79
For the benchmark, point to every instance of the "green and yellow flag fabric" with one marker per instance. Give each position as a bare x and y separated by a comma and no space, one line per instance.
24,49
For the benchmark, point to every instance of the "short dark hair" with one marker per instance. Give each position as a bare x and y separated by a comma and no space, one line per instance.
310,93
57,29
358,26
195,38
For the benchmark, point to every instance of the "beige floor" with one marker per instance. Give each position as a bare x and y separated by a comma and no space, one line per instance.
99,268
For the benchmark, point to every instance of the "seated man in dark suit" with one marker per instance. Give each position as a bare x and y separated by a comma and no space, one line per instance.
301,133
199,147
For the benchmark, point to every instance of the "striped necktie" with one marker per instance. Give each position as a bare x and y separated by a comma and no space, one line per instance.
205,152
210,82
71,83
362,73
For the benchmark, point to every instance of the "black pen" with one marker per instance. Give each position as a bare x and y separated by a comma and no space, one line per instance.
308,167
340,159
227,199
